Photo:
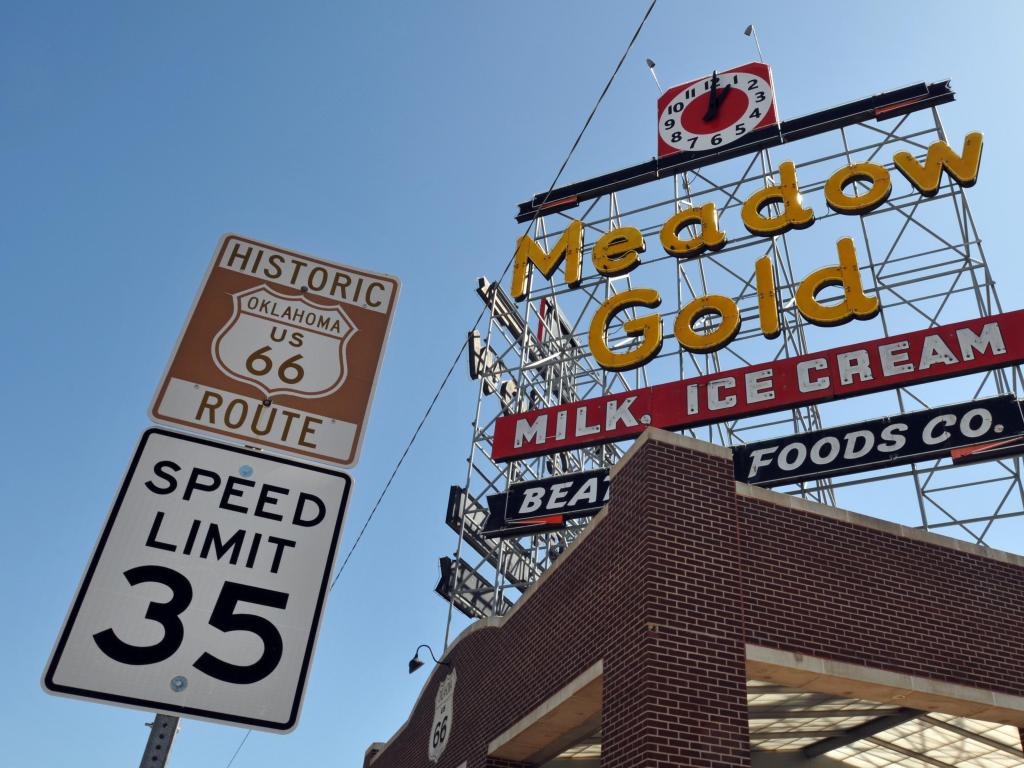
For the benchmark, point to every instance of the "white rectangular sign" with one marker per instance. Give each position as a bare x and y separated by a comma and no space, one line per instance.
204,594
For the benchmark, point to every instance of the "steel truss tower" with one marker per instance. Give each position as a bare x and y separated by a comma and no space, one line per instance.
922,257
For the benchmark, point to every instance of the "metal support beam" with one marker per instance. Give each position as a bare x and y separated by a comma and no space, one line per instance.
161,737
911,753
882,106
925,264
862,731
979,737
782,713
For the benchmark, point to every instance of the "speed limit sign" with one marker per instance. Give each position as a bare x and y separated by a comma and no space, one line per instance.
281,350
204,594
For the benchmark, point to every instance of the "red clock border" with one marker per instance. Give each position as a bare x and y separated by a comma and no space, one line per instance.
754,68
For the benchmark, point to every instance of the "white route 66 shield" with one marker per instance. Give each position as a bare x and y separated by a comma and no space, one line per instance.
441,727
284,344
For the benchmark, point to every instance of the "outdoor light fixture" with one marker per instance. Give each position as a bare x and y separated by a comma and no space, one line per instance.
415,663
750,31
650,66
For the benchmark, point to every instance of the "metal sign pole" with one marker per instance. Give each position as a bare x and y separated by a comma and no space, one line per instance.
161,737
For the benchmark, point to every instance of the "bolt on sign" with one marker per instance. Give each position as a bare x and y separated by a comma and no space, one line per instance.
204,594
281,350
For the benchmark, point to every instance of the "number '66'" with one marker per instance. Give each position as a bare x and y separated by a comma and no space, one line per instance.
259,364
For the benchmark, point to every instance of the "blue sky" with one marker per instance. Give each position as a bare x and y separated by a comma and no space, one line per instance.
398,137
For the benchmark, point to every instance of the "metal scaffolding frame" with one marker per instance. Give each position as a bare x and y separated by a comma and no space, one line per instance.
922,256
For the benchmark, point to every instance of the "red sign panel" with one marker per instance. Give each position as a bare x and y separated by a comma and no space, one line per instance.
706,114
873,366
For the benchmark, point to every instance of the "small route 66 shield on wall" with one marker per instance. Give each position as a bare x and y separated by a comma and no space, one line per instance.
282,350
441,727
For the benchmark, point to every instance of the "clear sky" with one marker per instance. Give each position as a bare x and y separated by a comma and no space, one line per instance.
395,136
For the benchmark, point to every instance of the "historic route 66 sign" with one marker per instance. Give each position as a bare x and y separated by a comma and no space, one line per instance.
281,350
441,727
271,335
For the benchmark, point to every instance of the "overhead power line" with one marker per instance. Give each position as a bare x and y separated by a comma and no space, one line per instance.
458,356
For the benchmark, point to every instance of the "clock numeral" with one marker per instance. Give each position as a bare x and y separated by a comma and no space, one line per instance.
670,123
716,139
690,93
693,142
735,79
676,137
759,96
752,85
741,128
755,113
675,108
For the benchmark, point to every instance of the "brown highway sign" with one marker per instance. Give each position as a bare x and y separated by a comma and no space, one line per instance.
281,350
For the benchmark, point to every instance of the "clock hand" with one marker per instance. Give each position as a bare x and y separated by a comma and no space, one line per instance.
715,99
722,95
716,104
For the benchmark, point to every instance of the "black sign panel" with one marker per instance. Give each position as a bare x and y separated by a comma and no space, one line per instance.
545,505
884,442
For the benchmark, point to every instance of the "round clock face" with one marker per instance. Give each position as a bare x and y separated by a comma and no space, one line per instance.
692,122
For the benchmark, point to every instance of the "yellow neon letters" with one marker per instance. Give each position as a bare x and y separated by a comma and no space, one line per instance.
700,308
709,238
647,328
940,157
855,303
772,210
568,248
767,302
835,188
793,215
618,252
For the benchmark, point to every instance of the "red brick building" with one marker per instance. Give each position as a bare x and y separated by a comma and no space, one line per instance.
705,622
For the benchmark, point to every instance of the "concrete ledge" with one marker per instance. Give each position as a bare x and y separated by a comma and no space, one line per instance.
838,678
372,751
568,715
652,434
866,521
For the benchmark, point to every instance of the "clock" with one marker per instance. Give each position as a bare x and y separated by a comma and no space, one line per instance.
714,111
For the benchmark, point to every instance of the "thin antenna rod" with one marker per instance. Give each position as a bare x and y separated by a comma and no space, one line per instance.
750,31
650,66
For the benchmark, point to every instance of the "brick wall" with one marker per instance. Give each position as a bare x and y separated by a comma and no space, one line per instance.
867,597
675,578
